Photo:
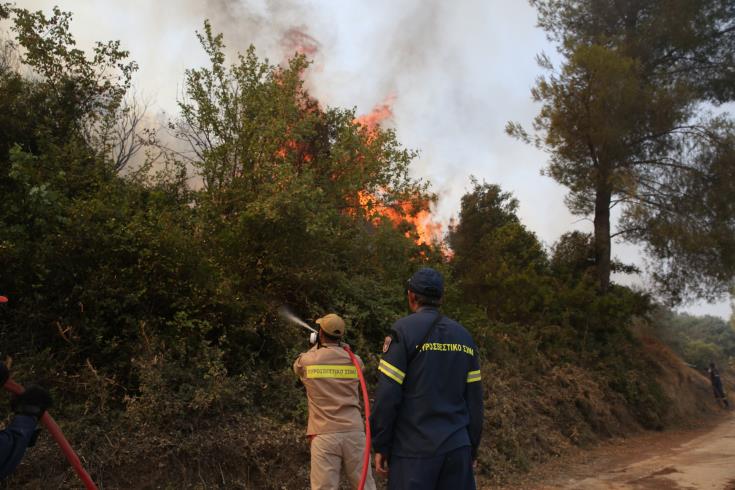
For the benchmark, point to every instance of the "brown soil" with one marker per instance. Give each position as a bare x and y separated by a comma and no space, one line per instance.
691,459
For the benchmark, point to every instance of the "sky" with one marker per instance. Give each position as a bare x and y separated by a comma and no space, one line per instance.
456,73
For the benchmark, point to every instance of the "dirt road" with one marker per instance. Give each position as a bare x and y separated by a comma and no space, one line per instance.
701,459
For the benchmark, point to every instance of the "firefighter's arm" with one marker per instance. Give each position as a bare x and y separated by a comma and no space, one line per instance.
473,396
389,395
298,367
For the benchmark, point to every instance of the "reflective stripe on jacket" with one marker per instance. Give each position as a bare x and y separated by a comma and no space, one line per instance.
429,396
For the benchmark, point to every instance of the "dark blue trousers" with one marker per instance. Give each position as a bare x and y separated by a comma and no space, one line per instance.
13,442
449,471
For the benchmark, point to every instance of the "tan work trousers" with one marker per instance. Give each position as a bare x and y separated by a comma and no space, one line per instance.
329,452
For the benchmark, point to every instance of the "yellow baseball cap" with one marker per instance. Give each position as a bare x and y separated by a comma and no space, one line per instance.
332,324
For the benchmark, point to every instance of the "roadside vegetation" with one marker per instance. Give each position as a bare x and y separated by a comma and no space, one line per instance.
697,340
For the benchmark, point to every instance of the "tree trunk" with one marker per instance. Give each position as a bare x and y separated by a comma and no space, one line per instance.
602,236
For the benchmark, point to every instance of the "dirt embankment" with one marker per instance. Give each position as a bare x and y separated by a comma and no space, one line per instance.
695,451
534,419
688,390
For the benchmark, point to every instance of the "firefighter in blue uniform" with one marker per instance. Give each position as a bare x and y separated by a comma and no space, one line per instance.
21,433
427,418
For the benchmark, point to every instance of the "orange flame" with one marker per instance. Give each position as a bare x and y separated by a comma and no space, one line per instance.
380,113
415,214
428,231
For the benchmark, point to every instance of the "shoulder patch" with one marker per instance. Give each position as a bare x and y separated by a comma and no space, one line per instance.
386,343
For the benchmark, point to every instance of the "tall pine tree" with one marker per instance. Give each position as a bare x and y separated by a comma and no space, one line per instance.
627,121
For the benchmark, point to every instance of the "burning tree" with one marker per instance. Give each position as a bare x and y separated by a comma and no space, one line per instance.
253,125
288,185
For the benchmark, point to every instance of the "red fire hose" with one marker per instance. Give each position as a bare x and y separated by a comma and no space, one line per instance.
368,440
58,436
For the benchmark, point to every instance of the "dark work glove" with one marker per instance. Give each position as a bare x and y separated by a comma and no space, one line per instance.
33,401
4,373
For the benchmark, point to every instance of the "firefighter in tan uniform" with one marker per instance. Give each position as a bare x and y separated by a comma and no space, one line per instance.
335,429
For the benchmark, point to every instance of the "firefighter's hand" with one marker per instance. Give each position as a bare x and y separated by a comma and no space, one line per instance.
33,401
381,464
4,374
